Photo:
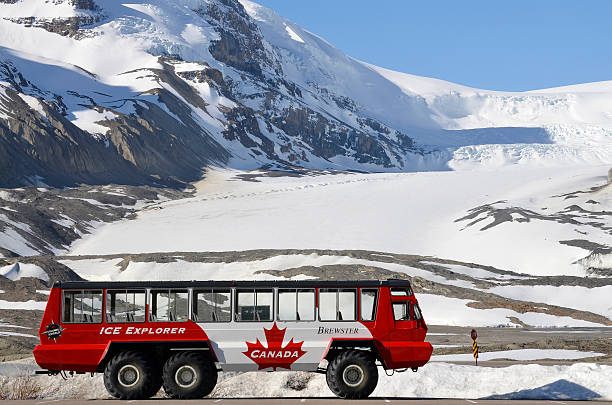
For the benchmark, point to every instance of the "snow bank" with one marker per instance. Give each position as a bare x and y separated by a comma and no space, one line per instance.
13,241
441,380
522,354
7,333
24,305
18,271
582,298
441,310
100,269
580,381
597,261
87,120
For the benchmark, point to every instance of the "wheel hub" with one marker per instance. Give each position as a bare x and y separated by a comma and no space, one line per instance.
353,375
128,375
185,376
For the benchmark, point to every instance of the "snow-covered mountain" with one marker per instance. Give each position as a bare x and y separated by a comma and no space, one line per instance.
152,91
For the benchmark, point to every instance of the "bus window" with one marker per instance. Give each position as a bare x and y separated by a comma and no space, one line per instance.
368,304
125,305
417,312
82,306
223,305
287,305
401,292
401,311
306,305
212,306
254,305
327,304
296,305
347,302
337,304
169,306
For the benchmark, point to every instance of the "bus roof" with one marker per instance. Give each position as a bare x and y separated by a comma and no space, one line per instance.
243,284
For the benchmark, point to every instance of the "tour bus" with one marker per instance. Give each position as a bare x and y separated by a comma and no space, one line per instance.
180,334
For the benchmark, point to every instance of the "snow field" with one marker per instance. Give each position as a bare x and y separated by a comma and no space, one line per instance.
403,213
434,380
23,305
522,354
18,271
596,300
440,310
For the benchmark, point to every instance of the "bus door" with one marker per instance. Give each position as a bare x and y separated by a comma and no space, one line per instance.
403,314
404,325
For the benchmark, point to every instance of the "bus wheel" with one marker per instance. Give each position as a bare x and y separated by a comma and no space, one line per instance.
131,375
352,374
189,375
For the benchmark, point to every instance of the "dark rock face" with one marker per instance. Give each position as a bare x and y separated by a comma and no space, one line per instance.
241,44
65,26
149,147
330,138
49,220
84,4
53,147
211,76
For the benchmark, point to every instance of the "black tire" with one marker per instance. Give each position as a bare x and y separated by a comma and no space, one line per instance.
132,375
352,374
189,375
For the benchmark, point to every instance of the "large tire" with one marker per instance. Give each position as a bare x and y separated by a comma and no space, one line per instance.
132,375
352,374
189,375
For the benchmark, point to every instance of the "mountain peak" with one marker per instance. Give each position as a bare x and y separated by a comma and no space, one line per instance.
164,88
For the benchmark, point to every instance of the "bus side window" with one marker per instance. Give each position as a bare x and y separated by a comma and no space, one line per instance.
417,312
212,306
306,305
401,311
287,305
169,306
368,304
401,292
337,304
254,305
223,305
347,304
245,305
327,304
296,305
68,306
125,306
82,306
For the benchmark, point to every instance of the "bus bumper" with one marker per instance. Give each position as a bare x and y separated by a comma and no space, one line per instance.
70,357
406,354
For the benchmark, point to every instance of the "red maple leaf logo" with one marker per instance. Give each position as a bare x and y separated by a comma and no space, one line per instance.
275,355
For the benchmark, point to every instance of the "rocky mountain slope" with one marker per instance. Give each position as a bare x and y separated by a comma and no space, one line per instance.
150,92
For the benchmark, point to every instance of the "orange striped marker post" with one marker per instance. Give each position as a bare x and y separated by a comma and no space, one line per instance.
474,336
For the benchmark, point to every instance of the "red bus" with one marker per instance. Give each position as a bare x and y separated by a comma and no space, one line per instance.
175,334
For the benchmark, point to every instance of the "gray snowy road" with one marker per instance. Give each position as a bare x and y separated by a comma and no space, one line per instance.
313,401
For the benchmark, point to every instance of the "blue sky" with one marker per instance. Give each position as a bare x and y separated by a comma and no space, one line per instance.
512,45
